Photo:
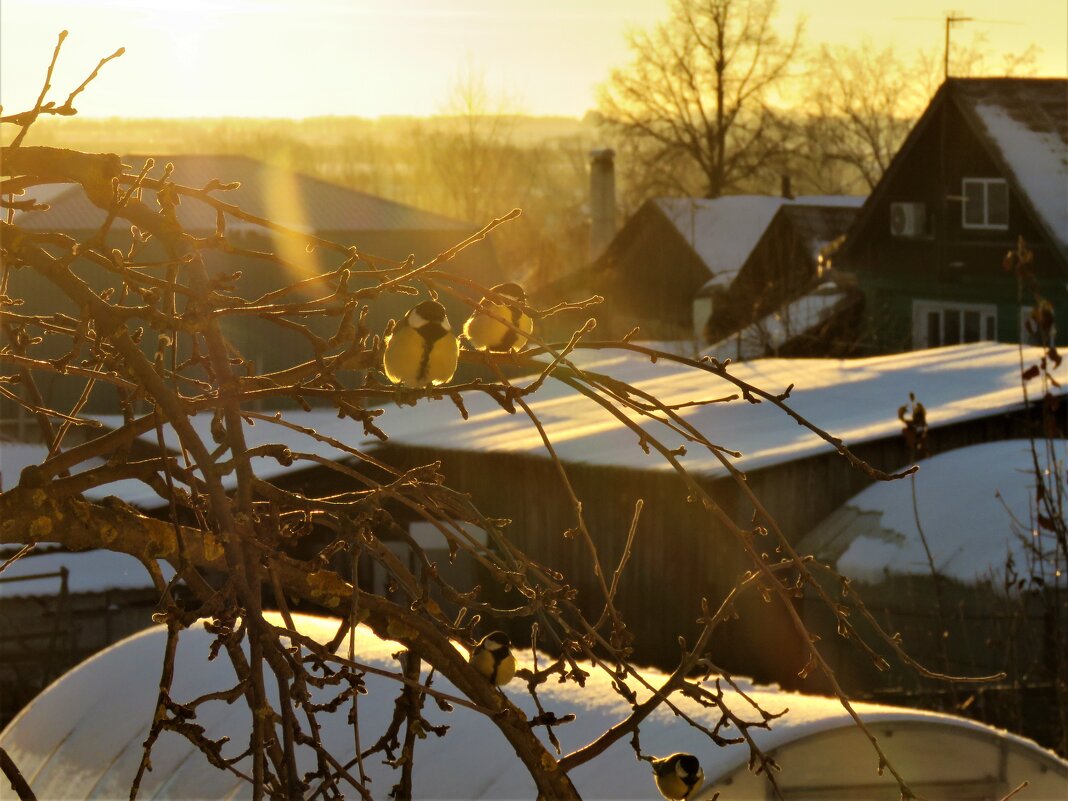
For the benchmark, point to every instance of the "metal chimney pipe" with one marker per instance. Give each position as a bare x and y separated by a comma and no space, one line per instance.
602,200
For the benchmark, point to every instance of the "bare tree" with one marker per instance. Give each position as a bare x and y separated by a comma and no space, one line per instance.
861,102
697,94
471,147
148,329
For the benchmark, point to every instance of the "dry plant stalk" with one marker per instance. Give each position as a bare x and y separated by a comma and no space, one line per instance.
244,532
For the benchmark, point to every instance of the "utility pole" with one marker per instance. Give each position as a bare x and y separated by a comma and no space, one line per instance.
951,19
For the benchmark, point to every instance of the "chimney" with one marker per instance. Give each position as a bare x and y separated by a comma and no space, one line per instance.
602,200
787,192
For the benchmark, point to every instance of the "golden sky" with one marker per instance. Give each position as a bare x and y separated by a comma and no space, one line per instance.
295,58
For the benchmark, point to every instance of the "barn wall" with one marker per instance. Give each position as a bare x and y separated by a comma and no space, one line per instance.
681,553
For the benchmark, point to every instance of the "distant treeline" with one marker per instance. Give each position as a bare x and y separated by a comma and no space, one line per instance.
472,167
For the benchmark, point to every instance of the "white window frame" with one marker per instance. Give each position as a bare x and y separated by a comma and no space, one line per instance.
922,308
986,183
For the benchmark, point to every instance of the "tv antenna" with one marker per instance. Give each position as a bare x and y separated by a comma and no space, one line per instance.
950,19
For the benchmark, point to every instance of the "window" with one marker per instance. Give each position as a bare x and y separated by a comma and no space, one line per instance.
986,204
935,324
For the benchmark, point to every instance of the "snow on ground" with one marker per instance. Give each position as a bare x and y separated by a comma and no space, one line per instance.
17,456
975,506
1039,160
82,737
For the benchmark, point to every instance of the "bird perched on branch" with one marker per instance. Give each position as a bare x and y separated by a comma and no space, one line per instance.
485,329
422,350
493,658
678,776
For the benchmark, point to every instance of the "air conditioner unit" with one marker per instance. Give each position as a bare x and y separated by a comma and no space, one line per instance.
908,220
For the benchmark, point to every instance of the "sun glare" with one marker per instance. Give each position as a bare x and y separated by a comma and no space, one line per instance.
297,58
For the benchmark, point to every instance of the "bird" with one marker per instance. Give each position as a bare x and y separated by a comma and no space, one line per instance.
422,350
678,776
493,658
484,332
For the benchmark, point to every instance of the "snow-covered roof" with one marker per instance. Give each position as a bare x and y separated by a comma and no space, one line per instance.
723,231
324,421
1026,121
795,319
87,571
976,506
16,456
855,399
83,736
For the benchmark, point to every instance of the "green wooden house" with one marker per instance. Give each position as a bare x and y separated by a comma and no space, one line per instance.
985,164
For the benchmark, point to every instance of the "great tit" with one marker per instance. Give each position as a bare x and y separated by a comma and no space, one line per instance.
422,350
678,776
484,332
493,658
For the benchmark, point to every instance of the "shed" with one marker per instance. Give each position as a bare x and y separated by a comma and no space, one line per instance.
83,738
672,248
790,260
989,598
972,394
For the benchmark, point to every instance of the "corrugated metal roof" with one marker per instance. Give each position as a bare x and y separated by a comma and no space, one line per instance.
291,198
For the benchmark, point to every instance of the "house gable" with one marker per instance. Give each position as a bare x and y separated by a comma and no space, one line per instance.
937,255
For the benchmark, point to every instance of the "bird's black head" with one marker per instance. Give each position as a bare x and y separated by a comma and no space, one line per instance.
688,765
496,640
429,311
511,290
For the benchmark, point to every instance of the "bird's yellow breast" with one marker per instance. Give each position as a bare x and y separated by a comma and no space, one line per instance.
486,330
486,663
413,361
483,661
671,786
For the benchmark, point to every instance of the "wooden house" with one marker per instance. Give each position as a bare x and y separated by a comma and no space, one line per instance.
762,307
375,225
985,164
957,562
676,258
